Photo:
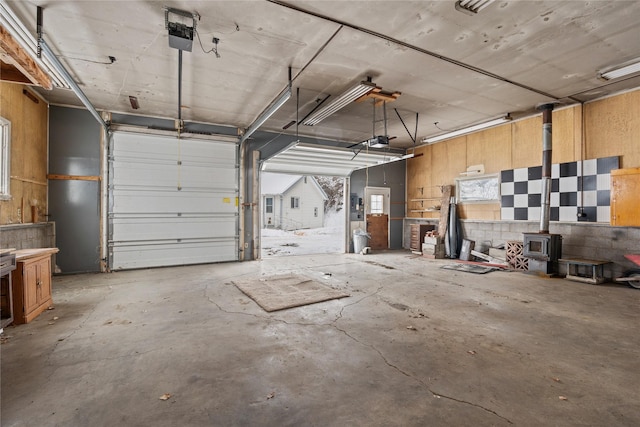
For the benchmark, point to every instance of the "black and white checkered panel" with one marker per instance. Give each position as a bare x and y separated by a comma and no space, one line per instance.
574,185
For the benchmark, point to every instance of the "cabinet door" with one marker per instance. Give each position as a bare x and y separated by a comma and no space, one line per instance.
31,291
44,280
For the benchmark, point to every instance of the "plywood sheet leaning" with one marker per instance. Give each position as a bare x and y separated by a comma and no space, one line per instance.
444,209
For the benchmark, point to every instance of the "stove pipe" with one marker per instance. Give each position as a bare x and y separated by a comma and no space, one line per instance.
545,202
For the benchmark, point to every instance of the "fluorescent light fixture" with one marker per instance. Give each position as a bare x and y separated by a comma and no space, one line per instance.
341,101
268,112
630,67
396,159
471,7
10,21
467,130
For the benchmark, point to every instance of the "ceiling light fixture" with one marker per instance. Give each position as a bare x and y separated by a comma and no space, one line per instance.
341,101
471,7
617,71
467,130
268,112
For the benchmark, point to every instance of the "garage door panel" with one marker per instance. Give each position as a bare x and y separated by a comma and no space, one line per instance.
172,202
133,229
165,175
161,254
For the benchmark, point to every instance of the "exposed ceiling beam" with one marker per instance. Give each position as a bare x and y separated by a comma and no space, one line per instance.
22,61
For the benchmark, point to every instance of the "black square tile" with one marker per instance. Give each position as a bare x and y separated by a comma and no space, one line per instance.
506,176
521,214
587,183
534,200
569,199
521,187
535,172
554,214
568,169
555,185
507,201
604,197
590,214
607,164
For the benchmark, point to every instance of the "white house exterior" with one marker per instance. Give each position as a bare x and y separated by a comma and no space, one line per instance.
291,202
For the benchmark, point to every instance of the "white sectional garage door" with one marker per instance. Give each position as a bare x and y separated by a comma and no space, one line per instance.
171,201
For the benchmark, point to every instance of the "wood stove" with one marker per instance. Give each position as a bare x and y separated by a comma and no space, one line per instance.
543,250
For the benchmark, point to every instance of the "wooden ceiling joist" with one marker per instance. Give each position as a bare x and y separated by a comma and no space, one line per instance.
20,62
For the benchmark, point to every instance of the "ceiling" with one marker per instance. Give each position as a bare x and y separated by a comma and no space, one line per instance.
452,68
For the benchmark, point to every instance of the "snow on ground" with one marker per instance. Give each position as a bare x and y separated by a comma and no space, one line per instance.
328,239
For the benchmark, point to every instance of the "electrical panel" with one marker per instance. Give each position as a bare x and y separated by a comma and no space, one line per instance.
357,207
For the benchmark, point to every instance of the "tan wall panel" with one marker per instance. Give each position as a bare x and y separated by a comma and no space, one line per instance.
614,128
527,143
563,136
488,211
28,154
491,148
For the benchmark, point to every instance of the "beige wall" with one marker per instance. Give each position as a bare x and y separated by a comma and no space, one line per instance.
611,128
28,154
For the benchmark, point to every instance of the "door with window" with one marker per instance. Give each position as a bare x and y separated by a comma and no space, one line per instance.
377,202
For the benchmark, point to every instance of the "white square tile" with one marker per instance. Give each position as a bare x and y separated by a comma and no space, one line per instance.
589,198
590,167
555,170
521,174
568,184
521,201
507,214
535,186
506,189
603,182
604,214
555,200
534,214
568,213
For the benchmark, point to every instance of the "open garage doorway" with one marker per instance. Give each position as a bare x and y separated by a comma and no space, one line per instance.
301,215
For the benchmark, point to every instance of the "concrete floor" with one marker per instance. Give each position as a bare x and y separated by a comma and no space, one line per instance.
414,345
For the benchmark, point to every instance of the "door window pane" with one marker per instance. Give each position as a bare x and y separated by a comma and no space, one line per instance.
377,204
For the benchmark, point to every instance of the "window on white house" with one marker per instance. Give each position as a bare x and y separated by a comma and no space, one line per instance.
295,202
377,204
268,204
315,212
305,179
5,158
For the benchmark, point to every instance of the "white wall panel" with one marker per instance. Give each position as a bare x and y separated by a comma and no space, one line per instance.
172,202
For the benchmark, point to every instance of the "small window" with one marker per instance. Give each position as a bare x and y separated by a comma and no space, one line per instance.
377,204
305,179
315,212
5,158
268,204
295,202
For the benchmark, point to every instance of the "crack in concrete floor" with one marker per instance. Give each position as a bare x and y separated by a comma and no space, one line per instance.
334,325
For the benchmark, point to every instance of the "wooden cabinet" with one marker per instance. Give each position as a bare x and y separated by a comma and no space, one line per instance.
417,235
31,282
625,191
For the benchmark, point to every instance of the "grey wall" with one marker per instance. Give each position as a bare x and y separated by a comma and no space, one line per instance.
579,239
390,175
28,236
74,205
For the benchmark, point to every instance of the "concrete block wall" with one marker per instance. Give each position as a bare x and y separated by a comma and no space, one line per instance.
27,236
579,240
